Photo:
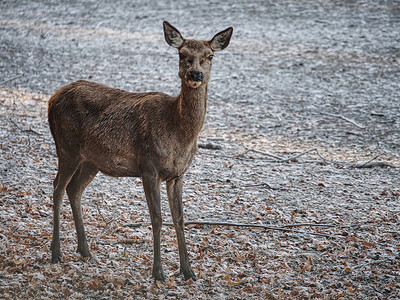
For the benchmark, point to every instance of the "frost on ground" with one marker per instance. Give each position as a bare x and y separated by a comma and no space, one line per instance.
304,105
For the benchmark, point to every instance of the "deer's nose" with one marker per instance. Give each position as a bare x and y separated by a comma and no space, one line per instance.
195,76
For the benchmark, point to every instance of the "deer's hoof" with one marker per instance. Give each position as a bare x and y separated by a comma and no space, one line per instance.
158,275
188,274
56,258
84,251
55,252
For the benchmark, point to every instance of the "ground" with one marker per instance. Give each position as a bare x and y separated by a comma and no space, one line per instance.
304,106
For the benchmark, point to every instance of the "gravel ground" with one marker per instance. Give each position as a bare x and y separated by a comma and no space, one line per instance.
304,97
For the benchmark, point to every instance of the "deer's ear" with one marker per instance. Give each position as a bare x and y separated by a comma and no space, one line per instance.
172,35
221,40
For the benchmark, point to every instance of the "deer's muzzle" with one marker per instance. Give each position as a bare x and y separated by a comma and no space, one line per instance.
195,76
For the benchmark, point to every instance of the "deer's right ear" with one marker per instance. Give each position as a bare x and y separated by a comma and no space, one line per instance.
172,35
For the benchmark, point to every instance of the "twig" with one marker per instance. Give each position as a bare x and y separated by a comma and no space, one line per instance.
371,163
345,119
262,152
104,219
133,225
325,159
250,225
281,159
377,262
282,228
298,155
377,114
25,130
211,146
362,164
308,224
10,79
260,184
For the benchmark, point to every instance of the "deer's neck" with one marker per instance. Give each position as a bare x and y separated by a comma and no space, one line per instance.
191,109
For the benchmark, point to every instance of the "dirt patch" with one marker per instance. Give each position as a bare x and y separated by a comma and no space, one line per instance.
299,75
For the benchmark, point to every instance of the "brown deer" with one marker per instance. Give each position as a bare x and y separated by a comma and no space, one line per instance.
122,134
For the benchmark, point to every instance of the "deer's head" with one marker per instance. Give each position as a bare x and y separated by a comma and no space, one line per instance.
195,56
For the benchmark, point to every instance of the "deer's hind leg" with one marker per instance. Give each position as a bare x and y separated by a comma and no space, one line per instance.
81,179
65,172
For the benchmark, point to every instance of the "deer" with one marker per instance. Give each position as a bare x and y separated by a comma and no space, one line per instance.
151,135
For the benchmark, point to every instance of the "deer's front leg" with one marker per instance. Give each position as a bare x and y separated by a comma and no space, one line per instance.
151,185
174,190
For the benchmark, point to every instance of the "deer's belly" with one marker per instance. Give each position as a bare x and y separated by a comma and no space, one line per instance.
118,169
114,165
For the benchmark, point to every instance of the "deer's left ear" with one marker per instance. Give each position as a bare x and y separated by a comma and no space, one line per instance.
221,40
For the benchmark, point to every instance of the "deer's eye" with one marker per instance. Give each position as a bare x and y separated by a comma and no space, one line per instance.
181,56
210,57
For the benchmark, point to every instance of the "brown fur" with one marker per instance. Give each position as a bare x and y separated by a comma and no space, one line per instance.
148,135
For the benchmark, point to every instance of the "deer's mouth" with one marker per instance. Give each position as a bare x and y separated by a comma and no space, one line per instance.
194,84
194,79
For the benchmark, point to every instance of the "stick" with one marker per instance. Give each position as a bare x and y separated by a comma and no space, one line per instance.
362,164
260,184
250,225
308,224
377,262
10,79
104,219
282,228
325,159
345,119
211,146
280,159
298,155
25,130
371,164
261,152
133,225
378,114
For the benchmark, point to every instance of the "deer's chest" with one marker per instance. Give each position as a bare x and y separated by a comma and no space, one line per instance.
174,162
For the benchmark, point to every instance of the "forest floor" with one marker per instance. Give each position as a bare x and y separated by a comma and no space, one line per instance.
304,106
